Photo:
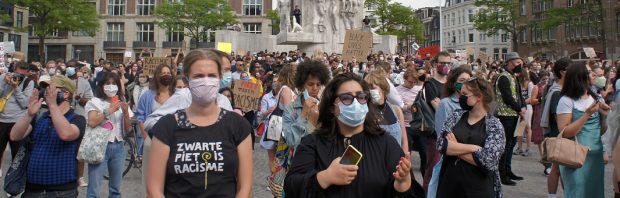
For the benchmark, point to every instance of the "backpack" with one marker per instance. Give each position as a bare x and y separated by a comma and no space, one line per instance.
423,119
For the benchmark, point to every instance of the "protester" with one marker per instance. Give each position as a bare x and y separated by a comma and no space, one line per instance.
17,87
56,136
475,138
536,100
140,88
316,168
81,96
510,108
393,96
390,118
180,82
432,92
105,67
202,123
527,90
408,91
548,120
160,90
109,109
578,116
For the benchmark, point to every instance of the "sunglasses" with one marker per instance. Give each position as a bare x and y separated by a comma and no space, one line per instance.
347,98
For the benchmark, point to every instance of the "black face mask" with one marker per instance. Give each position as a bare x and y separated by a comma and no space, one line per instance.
463,103
60,97
165,80
422,78
517,69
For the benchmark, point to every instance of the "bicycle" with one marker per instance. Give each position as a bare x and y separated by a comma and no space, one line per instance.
130,143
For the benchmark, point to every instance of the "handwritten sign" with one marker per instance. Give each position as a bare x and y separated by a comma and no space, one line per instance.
590,53
150,63
128,54
9,47
357,44
247,95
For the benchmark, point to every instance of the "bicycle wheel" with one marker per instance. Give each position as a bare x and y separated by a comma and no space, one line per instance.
130,147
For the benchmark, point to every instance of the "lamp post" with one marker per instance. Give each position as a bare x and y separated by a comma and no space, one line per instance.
440,29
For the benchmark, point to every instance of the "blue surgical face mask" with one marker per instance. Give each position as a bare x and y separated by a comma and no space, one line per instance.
70,71
352,115
226,79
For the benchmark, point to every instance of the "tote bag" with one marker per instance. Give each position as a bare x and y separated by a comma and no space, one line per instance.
93,147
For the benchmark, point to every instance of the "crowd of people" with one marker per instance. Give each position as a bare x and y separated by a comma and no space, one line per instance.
467,120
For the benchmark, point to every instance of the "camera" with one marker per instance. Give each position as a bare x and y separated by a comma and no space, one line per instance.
60,97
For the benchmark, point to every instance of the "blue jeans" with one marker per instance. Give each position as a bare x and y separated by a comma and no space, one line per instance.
139,140
115,163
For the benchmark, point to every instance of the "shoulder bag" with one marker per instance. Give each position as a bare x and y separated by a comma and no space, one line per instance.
274,128
564,151
93,147
423,118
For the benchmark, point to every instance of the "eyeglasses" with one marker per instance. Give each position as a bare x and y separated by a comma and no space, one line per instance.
347,98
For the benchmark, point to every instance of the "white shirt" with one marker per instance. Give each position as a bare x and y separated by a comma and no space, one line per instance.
115,119
181,99
85,91
393,97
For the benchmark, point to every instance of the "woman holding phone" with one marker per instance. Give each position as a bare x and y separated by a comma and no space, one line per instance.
578,116
346,119
108,109
203,150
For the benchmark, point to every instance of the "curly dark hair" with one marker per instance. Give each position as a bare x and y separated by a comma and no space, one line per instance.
99,93
328,126
311,68
449,88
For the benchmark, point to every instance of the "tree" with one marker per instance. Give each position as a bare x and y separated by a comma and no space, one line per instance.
274,17
195,16
59,15
397,19
497,16
578,15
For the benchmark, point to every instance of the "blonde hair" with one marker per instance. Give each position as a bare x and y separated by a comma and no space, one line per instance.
287,76
378,77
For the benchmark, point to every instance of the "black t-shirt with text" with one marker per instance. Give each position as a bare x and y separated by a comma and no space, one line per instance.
190,145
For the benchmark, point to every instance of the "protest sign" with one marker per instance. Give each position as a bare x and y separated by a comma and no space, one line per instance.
128,54
19,55
9,47
150,63
590,53
530,59
224,47
357,44
247,95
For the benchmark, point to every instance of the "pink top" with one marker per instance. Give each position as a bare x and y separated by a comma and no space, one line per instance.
408,96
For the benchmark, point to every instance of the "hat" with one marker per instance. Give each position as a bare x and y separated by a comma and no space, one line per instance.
59,81
512,55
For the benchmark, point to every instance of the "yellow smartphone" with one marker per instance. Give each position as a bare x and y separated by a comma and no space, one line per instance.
351,156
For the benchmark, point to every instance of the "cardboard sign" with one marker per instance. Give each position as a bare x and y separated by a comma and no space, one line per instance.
530,59
247,95
166,52
19,55
357,44
128,54
483,57
224,47
150,63
470,51
590,53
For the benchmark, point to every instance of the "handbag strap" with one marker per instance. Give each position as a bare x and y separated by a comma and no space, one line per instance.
9,95
562,133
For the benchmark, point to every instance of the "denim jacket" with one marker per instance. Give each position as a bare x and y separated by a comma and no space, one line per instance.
294,126
446,107
145,105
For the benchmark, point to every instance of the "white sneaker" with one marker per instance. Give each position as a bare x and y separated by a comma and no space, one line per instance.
82,182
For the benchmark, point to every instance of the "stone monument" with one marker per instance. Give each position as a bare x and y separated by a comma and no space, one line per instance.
324,24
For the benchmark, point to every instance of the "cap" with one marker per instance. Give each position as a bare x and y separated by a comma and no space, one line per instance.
512,55
59,81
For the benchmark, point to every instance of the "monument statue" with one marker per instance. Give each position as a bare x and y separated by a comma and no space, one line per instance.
321,10
284,8
334,7
296,25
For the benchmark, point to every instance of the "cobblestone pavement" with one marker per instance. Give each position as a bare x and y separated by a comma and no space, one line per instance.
534,185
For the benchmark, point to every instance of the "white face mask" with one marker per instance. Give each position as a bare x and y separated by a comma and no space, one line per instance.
375,95
110,90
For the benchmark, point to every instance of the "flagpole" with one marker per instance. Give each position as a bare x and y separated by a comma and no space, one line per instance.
440,29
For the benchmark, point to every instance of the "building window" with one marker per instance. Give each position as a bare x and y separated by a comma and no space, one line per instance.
17,40
1,36
523,36
116,32
504,38
496,53
252,7
79,34
471,15
116,7
522,8
175,35
254,28
453,19
19,19
471,37
504,52
570,3
31,30
145,7
618,23
146,32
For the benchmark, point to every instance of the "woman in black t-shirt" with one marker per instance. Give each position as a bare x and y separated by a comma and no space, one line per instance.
201,151
316,169
472,141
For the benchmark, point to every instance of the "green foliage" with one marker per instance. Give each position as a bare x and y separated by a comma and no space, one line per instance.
397,19
60,15
498,15
195,16
274,17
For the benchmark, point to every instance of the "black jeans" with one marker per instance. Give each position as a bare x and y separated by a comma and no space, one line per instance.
51,194
417,143
505,163
5,131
